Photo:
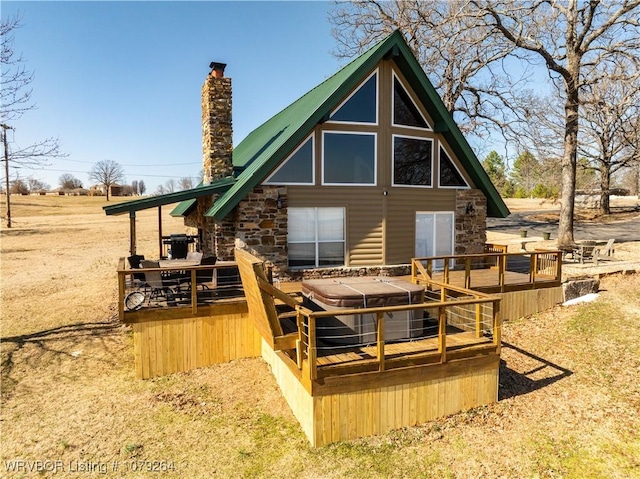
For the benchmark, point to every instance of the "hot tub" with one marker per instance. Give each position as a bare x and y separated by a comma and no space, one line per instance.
367,292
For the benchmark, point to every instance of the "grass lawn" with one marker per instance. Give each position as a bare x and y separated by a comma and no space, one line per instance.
569,385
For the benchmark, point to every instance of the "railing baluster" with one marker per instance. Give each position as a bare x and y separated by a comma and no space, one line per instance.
467,273
194,293
478,320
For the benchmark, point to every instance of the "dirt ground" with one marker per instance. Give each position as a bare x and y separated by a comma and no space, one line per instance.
71,407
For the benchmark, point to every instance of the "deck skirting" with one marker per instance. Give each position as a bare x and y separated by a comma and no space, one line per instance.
518,304
165,344
381,406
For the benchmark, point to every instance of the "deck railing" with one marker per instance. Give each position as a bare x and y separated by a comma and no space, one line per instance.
182,287
454,326
493,271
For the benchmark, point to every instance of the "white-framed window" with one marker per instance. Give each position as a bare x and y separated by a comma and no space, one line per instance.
434,235
348,158
412,161
404,111
361,107
316,237
449,175
298,168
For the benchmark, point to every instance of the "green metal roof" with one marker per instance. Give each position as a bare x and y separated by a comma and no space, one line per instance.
186,196
269,144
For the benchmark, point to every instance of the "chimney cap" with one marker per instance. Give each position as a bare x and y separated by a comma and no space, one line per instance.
217,66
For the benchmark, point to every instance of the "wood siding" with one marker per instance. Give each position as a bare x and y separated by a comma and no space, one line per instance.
380,219
402,205
164,346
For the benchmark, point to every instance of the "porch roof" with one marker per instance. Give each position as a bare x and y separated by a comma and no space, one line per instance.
187,196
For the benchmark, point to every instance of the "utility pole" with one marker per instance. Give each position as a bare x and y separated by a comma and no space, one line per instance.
6,127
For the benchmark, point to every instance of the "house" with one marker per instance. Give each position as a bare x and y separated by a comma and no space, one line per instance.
366,170
366,174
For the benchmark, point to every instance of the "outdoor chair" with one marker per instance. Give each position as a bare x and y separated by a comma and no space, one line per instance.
606,251
156,286
206,278
134,263
585,251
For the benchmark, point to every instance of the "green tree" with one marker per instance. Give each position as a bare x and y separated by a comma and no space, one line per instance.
525,173
495,167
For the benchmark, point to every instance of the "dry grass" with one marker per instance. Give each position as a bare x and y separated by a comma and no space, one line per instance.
570,383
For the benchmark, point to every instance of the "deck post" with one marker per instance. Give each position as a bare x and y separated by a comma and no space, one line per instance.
132,232
478,320
559,266
497,326
442,334
533,267
160,232
430,274
313,367
380,333
194,293
300,340
467,273
502,266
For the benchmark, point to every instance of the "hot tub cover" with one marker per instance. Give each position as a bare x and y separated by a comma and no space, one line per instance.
368,292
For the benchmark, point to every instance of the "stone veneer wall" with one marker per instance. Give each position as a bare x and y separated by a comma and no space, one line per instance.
259,226
471,222
217,133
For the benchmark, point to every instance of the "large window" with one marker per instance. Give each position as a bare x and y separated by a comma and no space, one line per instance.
316,237
361,106
405,112
412,161
349,158
297,169
450,177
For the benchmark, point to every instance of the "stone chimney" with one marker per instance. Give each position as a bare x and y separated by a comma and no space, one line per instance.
217,141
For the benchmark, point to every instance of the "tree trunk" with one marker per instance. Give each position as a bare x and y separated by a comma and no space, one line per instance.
605,184
569,158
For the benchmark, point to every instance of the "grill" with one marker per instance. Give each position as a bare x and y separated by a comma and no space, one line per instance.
179,244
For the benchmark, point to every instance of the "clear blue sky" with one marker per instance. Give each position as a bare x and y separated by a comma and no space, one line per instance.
121,80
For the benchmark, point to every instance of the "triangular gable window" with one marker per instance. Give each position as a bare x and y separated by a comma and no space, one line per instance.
449,174
361,106
405,112
297,169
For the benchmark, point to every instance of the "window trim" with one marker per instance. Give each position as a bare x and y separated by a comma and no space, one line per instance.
317,242
356,90
375,156
393,106
393,160
466,183
313,164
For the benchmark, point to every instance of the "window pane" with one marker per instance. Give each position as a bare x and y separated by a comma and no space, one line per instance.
331,254
298,168
404,111
301,224
449,175
330,224
411,161
362,106
302,255
349,158
424,234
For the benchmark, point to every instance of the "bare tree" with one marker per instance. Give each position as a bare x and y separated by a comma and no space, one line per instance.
609,136
69,182
185,183
15,100
134,187
142,188
573,39
37,185
107,173
463,60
